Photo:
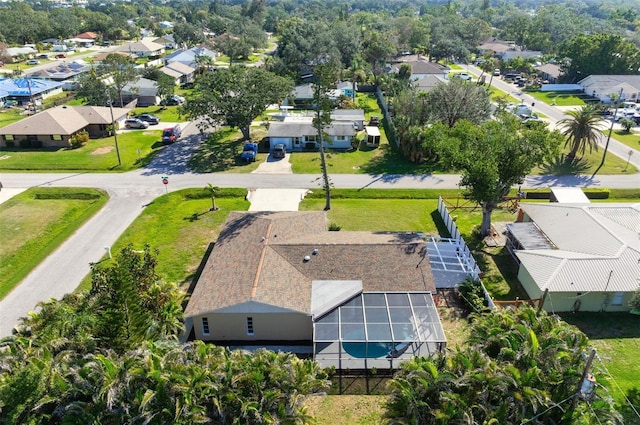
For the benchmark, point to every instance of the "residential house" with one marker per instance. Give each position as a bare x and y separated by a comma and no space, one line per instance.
550,72
495,47
353,116
189,57
167,40
524,54
603,86
87,35
66,73
429,82
55,126
421,67
352,299
180,72
18,54
142,90
143,49
587,256
102,56
27,90
346,88
297,133
303,96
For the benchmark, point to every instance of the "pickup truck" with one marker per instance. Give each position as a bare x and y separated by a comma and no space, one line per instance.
249,152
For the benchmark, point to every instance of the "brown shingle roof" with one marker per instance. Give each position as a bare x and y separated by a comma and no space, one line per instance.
260,257
63,120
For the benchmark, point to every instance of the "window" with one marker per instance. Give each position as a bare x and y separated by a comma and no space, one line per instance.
296,140
341,138
205,326
9,137
311,138
250,326
56,137
617,298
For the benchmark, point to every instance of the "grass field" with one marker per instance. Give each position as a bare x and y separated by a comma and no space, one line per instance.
166,114
560,98
180,228
9,116
35,222
631,139
96,155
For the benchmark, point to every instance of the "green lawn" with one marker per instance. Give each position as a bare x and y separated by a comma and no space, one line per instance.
9,116
34,223
561,98
180,228
631,139
221,152
97,155
587,165
616,337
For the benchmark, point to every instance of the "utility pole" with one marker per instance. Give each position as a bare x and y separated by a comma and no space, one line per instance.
606,146
113,126
585,373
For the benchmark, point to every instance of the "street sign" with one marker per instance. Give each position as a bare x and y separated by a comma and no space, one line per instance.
165,180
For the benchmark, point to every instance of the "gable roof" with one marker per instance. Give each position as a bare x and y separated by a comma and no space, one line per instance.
597,247
26,86
87,35
63,120
260,257
141,46
181,68
420,65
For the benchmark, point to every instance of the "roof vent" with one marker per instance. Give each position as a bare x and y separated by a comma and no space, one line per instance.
315,251
306,258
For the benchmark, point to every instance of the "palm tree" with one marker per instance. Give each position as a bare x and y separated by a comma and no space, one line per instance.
489,66
582,130
212,191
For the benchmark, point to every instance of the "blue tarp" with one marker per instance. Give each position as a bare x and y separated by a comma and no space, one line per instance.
25,86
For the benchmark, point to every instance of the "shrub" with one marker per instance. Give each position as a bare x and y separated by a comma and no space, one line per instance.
634,303
333,227
472,296
79,139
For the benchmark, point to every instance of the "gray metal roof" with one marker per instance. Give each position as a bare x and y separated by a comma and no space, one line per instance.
598,247
529,236
300,129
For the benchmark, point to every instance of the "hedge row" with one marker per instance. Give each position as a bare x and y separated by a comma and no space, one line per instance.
221,192
68,193
385,193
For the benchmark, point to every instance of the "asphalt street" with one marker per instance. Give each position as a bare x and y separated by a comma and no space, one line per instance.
130,192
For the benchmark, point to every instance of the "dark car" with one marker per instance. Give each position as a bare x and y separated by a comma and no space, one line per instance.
187,85
61,56
135,123
151,119
279,151
374,121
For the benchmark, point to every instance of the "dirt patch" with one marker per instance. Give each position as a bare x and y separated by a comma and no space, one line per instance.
346,410
102,150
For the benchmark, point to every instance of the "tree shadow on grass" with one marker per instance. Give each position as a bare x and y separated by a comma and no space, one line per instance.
216,154
440,226
562,166
393,162
625,409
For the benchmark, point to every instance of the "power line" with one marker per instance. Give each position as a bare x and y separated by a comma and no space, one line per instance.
551,407
618,386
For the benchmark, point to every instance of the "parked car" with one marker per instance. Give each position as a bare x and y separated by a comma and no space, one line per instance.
171,134
33,62
151,119
175,100
496,72
43,56
135,123
187,85
61,56
374,121
249,152
279,151
463,76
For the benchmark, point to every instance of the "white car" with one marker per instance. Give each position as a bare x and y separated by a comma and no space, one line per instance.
463,76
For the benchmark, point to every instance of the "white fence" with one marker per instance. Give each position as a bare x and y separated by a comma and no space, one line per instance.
464,249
